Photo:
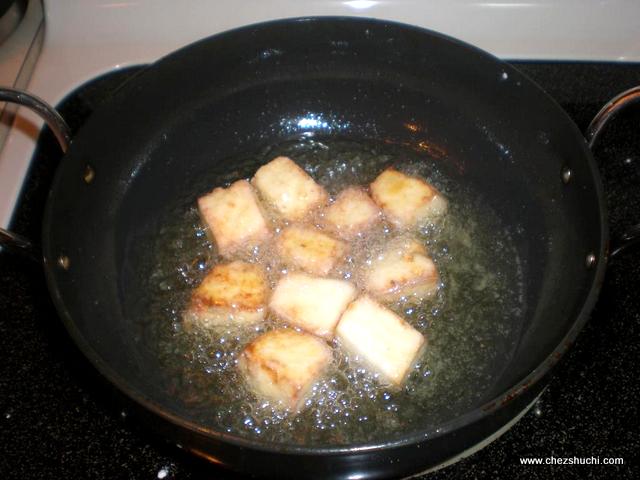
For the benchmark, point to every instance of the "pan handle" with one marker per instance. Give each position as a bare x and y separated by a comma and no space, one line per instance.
631,237
18,244
49,114
9,240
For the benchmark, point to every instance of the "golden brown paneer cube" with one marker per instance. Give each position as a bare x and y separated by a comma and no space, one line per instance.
231,293
288,189
407,201
234,218
402,270
309,249
311,303
386,343
282,365
352,213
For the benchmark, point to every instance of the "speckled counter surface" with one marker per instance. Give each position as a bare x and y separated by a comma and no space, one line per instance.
59,420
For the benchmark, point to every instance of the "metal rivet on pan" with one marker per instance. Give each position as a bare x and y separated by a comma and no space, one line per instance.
591,260
566,175
89,174
63,262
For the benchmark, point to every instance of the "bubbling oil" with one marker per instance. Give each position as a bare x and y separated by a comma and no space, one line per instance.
471,323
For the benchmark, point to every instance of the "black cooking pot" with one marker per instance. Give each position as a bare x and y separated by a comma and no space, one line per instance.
367,80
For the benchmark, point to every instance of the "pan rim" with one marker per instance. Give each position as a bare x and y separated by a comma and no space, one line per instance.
405,439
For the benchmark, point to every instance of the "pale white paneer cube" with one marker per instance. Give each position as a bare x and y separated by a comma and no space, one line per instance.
282,366
402,270
235,293
311,303
386,343
234,218
352,213
309,249
288,189
407,201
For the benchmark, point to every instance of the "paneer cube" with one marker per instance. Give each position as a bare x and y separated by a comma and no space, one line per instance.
282,365
352,213
402,270
309,249
407,201
232,293
386,343
311,303
288,189
234,218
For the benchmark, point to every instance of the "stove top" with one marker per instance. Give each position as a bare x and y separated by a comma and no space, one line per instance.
58,419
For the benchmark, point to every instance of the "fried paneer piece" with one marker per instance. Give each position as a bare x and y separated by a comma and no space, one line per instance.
352,213
231,293
288,190
407,201
385,342
311,303
234,218
309,249
282,365
402,270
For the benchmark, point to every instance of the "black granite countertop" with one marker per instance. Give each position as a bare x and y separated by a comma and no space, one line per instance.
59,420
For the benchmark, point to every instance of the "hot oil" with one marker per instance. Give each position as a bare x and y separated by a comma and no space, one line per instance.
471,323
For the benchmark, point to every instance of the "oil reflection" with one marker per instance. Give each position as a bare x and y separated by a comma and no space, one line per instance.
314,122
412,127
432,149
426,145
421,145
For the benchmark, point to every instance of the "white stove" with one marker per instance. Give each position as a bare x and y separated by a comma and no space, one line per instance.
61,44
